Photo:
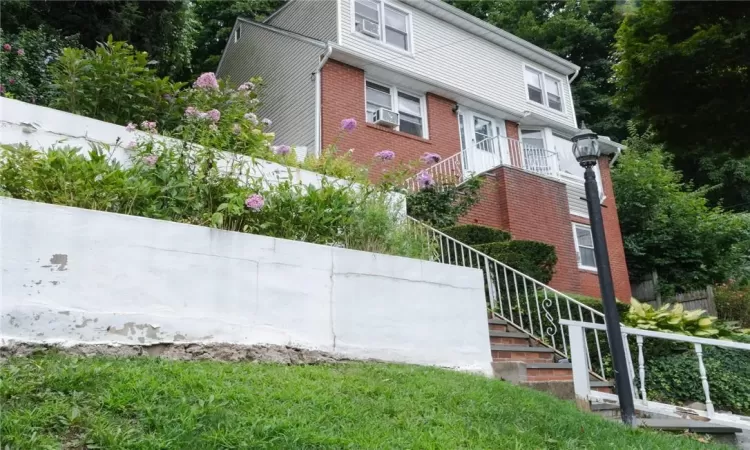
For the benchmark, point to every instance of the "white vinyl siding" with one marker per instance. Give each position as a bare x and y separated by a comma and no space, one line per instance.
584,246
451,56
410,107
285,64
311,18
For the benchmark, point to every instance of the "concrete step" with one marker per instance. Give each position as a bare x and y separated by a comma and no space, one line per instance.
522,353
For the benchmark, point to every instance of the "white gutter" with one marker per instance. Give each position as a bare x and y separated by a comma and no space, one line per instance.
318,107
575,75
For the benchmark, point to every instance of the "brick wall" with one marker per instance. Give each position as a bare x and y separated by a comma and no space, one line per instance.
614,235
343,96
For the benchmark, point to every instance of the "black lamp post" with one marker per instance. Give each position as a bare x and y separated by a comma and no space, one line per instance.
586,151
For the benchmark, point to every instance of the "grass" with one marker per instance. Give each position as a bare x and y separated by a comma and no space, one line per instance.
56,401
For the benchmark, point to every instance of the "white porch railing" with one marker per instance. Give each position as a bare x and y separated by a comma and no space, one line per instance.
579,358
488,154
526,303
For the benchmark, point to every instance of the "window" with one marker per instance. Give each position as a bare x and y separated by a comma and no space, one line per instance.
237,33
409,107
532,139
584,246
543,88
383,22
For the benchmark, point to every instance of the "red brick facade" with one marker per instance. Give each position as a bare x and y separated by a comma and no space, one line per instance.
343,96
529,206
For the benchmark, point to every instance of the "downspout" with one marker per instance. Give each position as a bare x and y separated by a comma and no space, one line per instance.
575,75
614,158
318,107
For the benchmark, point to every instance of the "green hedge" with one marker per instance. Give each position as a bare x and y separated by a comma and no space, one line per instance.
596,303
474,235
535,259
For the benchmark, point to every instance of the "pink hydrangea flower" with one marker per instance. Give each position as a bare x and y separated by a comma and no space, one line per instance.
12,81
246,86
349,124
252,118
6,47
236,129
214,115
430,158
425,180
255,202
130,127
281,149
150,159
20,52
207,81
132,144
267,122
385,155
190,111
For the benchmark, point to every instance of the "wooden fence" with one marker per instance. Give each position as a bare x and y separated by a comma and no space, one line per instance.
646,291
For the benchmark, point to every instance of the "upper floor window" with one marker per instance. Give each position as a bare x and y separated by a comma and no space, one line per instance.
543,88
237,33
409,107
383,22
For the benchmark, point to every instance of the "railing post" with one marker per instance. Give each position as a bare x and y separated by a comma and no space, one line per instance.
581,382
641,368
704,380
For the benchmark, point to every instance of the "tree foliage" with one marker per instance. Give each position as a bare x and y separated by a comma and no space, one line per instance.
580,31
684,70
669,226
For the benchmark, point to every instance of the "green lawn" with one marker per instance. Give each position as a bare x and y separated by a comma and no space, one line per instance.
54,401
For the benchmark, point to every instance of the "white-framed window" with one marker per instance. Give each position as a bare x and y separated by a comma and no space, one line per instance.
543,88
584,246
237,33
379,20
410,107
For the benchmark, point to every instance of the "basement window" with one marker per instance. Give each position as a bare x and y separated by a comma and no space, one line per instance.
584,246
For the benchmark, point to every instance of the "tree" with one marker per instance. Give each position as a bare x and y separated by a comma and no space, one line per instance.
669,226
216,20
164,29
580,31
684,70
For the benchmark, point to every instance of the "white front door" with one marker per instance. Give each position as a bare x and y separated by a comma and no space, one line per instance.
482,142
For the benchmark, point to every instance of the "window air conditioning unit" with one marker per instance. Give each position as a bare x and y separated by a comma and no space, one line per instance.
386,117
369,28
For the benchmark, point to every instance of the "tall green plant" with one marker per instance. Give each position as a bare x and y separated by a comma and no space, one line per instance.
114,83
442,204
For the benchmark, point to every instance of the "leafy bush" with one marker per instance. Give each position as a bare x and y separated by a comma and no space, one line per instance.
24,63
674,319
596,303
337,164
113,83
733,303
535,259
442,204
673,378
476,234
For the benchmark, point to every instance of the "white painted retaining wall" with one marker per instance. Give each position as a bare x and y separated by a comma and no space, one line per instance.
42,128
71,275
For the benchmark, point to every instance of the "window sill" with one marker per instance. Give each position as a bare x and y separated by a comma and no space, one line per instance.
588,269
396,132
547,108
377,41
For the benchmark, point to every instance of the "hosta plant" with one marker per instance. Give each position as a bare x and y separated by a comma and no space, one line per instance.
674,319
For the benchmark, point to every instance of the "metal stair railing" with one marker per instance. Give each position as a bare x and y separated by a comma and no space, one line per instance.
525,303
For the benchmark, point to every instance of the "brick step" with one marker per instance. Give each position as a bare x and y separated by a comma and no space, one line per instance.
509,338
498,325
522,353
549,372
602,386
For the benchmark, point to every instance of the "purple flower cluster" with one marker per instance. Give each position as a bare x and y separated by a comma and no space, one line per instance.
385,155
255,202
425,180
349,124
148,126
206,81
130,127
246,86
20,52
267,122
6,47
430,158
252,118
150,159
281,150
214,115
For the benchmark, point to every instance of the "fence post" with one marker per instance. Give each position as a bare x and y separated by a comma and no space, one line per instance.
657,293
578,358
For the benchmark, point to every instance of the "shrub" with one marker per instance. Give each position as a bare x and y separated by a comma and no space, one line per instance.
113,83
674,319
535,259
673,378
25,62
596,303
733,303
476,234
443,203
